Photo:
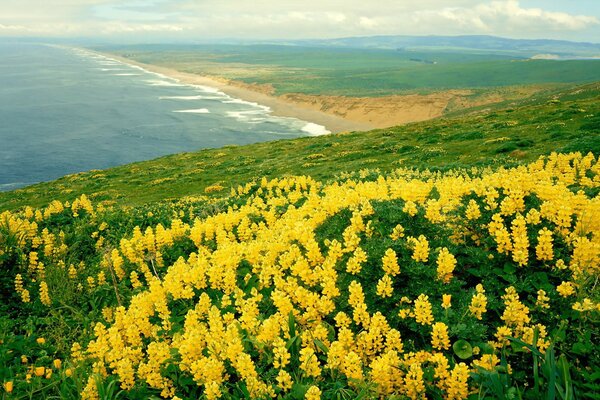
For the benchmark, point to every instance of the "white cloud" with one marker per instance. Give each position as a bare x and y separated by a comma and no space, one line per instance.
505,16
292,19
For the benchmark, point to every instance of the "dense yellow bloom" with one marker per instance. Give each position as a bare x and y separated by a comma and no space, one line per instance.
516,314
414,385
473,212
410,208
422,310
478,304
384,286
390,263
566,289
8,386
439,336
284,380
520,240
543,250
420,248
313,393
458,387
355,262
44,295
309,363
260,268
445,265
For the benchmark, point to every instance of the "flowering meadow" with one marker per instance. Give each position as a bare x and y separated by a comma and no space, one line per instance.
467,284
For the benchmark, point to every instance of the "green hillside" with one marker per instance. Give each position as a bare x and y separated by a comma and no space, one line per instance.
567,120
361,72
451,259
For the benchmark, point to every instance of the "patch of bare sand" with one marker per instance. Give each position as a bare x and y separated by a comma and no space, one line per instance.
381,112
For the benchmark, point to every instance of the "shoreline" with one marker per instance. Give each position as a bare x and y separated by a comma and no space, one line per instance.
278,106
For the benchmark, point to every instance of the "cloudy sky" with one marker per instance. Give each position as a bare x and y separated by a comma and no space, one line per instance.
169,20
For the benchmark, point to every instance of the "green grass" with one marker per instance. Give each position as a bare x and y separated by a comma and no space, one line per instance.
361,72
566,121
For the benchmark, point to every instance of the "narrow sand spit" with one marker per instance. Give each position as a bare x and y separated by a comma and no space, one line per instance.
278,105
340,113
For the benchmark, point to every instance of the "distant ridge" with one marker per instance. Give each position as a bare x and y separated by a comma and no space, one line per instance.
523,47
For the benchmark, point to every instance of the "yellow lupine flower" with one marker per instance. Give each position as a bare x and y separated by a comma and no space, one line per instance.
390,263
384,287
544,250
445,265
566,289
8,386
313,393
439,336
422,310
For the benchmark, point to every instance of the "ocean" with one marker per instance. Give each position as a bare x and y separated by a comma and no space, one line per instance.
66,110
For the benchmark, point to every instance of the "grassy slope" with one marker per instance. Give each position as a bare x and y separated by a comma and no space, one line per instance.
361,72
542,125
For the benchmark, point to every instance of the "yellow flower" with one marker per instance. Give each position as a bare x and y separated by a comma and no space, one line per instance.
439,336
57,363
473,212
39,371
446,301
543,250
445,265
478,304
44,296
542,299
413,382
284,380
390,263
458,387
422,310
8,386
384,287
313,393
566,289
420,248
410,208
40,340
397,232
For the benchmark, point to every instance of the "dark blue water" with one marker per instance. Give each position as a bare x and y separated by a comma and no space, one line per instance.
67,110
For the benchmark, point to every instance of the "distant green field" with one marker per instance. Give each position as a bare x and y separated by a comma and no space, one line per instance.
361,72
566,121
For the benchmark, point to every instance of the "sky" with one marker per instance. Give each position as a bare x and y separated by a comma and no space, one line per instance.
200,20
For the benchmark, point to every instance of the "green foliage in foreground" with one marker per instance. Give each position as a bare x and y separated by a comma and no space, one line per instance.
568,121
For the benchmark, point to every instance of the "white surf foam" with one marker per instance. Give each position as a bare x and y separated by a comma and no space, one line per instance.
126,74
194,111
315,129
195,97
208,89
156,82
249,116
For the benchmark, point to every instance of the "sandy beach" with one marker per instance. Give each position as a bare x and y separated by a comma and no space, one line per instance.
338,113
278,105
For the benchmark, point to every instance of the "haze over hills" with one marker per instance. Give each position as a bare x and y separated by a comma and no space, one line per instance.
522,47
475,43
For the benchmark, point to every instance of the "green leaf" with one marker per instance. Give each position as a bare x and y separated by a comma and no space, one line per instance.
462,349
